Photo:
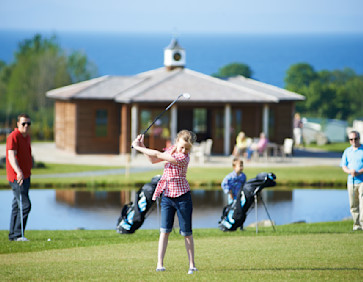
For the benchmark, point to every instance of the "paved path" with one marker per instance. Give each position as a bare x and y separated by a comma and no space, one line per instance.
48,153
92,173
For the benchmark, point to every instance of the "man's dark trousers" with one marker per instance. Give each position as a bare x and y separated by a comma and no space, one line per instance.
15,219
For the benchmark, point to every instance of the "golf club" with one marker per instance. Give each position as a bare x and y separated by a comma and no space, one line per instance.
256,213
157,211
21,214
184,95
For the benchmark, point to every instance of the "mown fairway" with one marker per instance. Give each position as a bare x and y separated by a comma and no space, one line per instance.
198,177
323,251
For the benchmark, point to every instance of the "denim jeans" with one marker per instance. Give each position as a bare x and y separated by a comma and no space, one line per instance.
15,219
183,206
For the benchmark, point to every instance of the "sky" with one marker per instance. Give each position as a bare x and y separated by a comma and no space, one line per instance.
184,16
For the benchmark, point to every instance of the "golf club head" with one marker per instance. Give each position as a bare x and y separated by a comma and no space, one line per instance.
186,96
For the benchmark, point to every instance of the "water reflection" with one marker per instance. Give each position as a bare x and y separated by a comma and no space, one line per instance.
95,199
71,209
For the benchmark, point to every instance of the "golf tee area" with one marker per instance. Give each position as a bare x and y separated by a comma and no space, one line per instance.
315,252
301,251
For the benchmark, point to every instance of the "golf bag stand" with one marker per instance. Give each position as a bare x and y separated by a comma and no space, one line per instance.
133,214
234,214
268,214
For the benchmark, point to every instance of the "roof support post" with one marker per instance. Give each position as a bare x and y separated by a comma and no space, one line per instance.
125,130
173,123
227,129
265,119
134,124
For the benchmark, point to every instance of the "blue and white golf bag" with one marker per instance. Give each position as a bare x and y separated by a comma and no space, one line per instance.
133,214
235,213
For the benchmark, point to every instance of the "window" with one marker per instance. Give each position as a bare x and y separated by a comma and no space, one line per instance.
160,127
236,120
101,123
145,120
271,123
219,124
200,120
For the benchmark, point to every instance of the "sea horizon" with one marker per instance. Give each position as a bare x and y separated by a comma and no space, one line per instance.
268,55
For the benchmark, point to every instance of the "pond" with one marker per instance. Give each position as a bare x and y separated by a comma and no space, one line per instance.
73,209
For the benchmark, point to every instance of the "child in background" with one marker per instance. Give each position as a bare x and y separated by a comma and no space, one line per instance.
175,191
234,181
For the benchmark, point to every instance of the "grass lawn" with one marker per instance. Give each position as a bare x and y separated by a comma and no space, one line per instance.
320,251
332,147
198,177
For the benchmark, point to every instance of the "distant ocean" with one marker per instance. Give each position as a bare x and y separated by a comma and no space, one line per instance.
269,56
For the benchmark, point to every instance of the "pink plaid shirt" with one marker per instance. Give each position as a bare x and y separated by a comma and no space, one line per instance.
173,183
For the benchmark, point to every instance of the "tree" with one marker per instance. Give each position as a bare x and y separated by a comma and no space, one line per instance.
2,65
5,72
299,75
332,94
80,68
234,69
354,102
39,66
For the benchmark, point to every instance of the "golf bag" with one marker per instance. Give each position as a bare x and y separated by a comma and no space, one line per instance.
133,214
235,213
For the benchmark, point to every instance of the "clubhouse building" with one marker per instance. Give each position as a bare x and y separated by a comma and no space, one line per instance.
103,115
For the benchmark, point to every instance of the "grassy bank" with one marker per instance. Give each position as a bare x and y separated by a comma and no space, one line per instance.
321,251
199,177
331,147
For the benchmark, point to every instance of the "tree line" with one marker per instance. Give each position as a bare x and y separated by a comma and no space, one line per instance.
40,65
336,94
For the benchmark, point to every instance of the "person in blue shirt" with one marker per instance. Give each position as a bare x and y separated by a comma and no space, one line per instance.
234,181
352,164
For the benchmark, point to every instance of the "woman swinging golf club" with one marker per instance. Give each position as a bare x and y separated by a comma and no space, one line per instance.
175,191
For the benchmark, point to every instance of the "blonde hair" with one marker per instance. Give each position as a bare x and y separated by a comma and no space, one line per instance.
187,136
242,134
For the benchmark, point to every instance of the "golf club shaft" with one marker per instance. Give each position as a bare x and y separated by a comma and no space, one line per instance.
157,211
256,214
168,107
147,129
21,212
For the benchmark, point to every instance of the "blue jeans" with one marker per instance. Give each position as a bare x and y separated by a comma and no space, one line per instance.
249,153
183,206
15,219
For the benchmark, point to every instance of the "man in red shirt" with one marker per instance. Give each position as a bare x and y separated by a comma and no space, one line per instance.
18,169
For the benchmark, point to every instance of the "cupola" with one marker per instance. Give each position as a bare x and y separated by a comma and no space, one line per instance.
174,56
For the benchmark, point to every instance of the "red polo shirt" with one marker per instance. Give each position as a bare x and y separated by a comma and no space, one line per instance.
17,142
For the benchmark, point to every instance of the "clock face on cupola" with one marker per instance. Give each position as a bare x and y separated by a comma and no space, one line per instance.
177,56
174,55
